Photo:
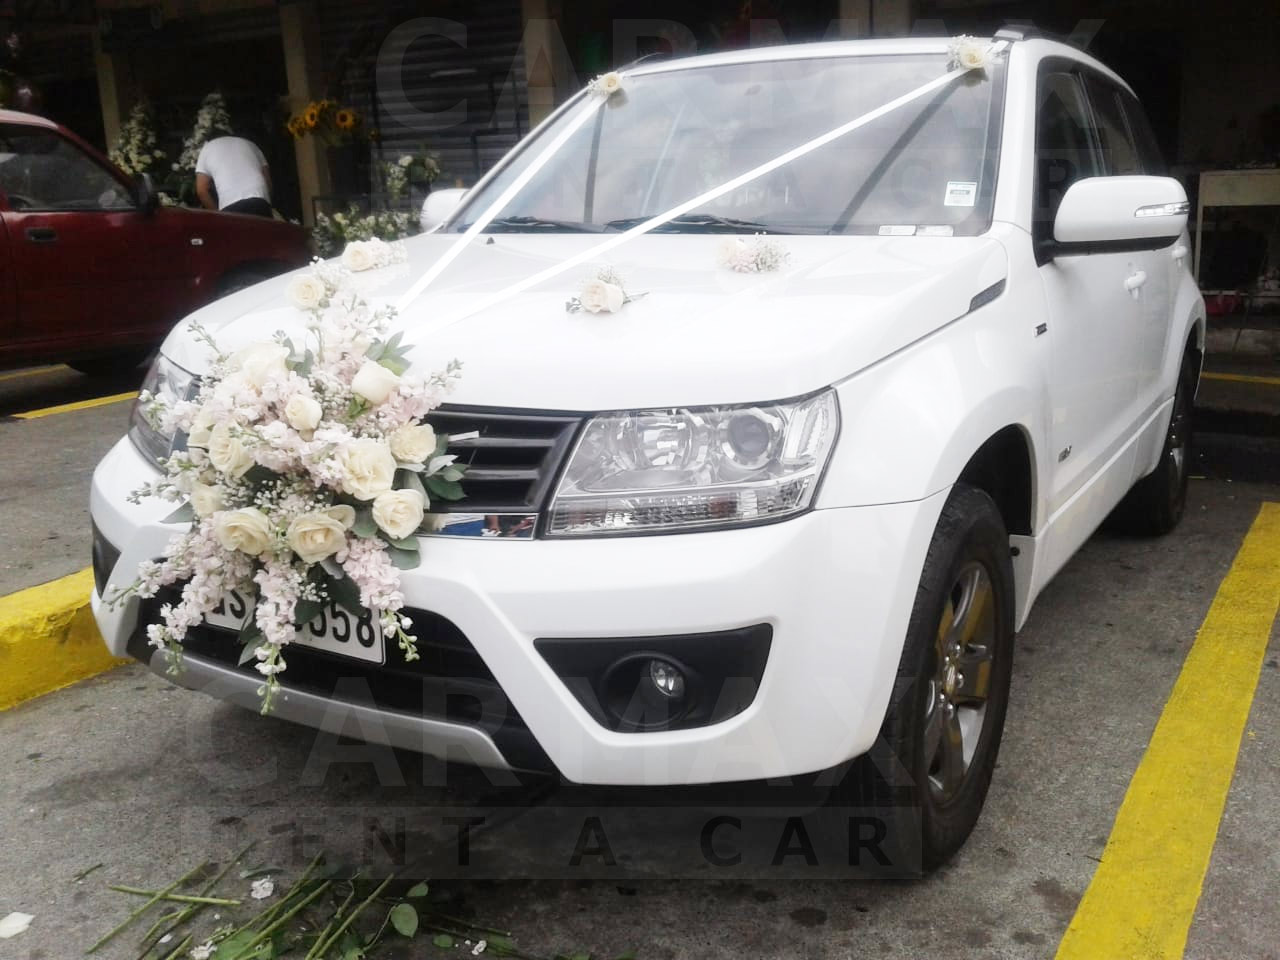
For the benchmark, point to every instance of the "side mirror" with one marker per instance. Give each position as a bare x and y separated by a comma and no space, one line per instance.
439,207
144,193
1120,213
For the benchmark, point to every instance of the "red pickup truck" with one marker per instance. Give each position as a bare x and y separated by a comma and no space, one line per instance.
93,271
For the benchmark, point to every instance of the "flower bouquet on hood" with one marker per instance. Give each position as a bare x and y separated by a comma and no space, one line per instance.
307,472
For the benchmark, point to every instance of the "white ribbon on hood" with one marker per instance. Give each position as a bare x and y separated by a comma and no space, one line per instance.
595,252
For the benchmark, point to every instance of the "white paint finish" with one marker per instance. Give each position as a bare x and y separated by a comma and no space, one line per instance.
1104,209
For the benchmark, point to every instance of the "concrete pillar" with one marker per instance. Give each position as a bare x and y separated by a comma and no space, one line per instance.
115,90
300,35
854,17
547,63
892,18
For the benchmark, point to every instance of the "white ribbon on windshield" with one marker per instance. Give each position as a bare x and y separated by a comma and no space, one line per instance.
653,223
519,183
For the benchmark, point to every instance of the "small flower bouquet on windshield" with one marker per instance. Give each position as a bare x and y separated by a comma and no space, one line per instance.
306,474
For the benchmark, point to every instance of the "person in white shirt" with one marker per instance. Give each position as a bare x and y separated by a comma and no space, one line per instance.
236,169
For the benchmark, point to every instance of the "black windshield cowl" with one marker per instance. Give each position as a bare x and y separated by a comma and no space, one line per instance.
698,223
534,225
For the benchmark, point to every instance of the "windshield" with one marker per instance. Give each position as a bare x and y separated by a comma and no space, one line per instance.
927,167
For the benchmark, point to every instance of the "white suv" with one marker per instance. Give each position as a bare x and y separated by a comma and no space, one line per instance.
754,524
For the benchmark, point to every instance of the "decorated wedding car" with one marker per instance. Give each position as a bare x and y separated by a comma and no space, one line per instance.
726,431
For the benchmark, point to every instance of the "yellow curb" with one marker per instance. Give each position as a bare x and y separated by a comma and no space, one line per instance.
49,639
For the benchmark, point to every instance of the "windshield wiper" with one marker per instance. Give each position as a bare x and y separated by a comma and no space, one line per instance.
535,224
698,223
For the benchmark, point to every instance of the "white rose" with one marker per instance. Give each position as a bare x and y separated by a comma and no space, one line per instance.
306,292
399,512
608,84
303,412
374,382
321,533
406,160
206,500
246,530
413,443
970,54
600,297
227,452
367,468
260,362
201,425
358,256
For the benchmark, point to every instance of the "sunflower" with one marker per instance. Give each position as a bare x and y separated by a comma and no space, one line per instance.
346,119
311,117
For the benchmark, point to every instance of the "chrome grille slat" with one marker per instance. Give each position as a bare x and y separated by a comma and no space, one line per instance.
511,463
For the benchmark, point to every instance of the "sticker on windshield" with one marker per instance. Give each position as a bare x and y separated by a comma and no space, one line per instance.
898,230
961,193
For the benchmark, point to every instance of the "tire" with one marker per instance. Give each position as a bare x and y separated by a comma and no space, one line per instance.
1156,503
917,778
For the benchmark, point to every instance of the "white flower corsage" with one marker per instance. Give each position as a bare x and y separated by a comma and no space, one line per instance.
758,254
361,255
605,85
969,53
603,293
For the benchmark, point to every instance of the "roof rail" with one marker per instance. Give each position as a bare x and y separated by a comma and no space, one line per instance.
1017,31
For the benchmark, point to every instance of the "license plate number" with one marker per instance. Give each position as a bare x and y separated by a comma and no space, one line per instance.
334,630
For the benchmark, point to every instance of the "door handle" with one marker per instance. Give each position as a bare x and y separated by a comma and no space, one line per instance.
1134,283
42,235
1180,252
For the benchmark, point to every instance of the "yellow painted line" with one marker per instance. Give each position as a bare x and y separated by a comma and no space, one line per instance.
1241,378
1143,895
48,639
33,372
78,405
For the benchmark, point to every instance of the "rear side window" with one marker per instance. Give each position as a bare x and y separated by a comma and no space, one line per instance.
1120,155
1065,149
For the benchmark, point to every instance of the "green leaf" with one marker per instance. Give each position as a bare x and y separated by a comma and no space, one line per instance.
258,475
409,543
409,480
442,445
304,611
184,514
418,890
330,566
403,559
308,361
250,632
395,365
405,919
247,653
376,351
442,940
499,945
452,473
444,489
364,525
233,946
346,594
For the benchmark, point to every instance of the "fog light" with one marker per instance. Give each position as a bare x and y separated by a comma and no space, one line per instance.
667,678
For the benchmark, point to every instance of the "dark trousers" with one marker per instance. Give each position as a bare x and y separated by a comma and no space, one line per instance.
256,206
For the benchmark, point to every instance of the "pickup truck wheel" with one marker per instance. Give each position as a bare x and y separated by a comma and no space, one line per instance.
105,365
1156,503
928,774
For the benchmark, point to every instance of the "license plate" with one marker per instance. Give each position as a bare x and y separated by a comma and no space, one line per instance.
334,630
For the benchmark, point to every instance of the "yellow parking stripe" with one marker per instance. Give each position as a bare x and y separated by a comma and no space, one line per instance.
1144,893
34,372
78,405
1241,378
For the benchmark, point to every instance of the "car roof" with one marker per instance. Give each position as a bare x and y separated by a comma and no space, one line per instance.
30,119
1038,48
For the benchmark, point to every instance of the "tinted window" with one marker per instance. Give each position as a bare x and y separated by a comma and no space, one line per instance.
1119,152
1064,147
39,170
1148,147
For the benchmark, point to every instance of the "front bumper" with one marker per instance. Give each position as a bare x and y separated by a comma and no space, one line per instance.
836,586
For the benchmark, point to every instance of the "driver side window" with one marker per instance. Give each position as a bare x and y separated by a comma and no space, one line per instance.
1065,148
39,170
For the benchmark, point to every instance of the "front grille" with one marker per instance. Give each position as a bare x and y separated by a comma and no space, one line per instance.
513,461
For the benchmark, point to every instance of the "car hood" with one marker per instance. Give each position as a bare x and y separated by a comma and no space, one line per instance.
701,334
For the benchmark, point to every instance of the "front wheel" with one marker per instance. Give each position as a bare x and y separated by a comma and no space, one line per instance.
929,771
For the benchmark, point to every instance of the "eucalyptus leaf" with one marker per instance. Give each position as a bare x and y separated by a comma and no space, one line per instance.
364,525
453,473
395,365
409,480
444,489
346,594
405,919
402,559
304,611
409,543
184,514
418,890
376,351
247,653
332,567
442,940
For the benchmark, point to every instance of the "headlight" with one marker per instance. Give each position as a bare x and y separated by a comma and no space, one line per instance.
170,383
689,469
